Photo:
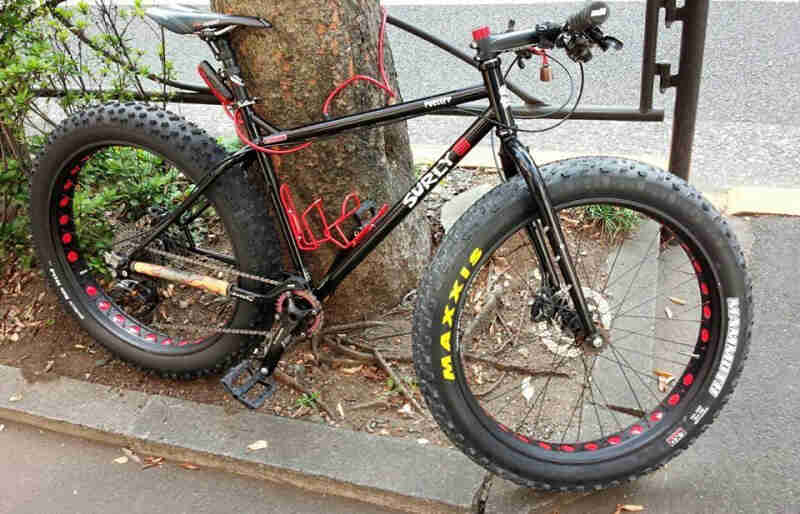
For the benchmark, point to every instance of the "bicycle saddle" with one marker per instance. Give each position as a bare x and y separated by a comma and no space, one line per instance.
187,20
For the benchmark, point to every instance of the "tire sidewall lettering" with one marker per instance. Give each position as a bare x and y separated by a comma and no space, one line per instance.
444,344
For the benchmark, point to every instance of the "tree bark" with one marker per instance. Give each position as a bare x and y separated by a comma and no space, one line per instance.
314,46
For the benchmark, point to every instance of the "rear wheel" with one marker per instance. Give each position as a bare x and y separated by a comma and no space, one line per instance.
105,178
496,350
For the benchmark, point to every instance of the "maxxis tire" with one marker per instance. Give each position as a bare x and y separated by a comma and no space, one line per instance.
238,203
506,208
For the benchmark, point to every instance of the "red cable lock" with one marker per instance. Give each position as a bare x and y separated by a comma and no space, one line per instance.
299,223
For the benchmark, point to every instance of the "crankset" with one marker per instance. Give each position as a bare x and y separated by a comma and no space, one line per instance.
298,314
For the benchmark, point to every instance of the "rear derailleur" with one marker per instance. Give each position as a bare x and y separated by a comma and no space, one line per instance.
298,315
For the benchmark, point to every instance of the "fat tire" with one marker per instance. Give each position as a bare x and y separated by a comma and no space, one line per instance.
237,201
485,224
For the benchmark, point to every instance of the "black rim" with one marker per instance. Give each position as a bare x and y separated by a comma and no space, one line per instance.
637,424
92,290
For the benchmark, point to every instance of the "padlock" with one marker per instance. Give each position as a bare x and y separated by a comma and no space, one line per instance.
545,73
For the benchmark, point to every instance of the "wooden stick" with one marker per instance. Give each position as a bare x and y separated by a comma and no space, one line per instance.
354,326
397,380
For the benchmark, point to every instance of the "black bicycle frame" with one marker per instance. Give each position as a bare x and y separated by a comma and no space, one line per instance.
516,160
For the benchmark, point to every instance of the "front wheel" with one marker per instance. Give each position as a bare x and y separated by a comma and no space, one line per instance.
499,355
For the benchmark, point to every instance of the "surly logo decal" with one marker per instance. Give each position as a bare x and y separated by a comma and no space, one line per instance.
428,180
728,354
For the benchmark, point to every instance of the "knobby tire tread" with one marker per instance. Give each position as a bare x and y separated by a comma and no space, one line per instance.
560,174
248,210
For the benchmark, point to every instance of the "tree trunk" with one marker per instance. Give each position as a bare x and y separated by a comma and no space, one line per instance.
314,46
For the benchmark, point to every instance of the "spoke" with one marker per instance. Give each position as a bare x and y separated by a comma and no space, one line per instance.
641,263
630,286
627,380
613,264
632,332
578,406
619,305
582,264
653,356
605,400
639,375
693,308
660,318
543,396
591,393
513,387
634,413
629,367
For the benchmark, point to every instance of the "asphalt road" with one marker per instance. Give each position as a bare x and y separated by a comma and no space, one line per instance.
748,121
48,472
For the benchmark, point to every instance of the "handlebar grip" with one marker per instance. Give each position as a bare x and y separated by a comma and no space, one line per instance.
592,15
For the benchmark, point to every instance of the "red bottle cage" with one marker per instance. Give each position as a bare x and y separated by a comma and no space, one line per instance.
332,232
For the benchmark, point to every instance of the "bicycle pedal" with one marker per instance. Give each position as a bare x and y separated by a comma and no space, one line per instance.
248,380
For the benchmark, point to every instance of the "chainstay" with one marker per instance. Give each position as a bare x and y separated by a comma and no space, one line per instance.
214,267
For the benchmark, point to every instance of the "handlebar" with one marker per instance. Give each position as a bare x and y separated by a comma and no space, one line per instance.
593,14
569,35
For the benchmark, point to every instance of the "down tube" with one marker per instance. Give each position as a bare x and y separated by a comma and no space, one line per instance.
345,262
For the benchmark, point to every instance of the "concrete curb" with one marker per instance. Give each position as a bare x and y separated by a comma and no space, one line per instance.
733,201
379,470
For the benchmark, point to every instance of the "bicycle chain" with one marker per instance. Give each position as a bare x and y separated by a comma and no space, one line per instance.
221,269
205,329
213,267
